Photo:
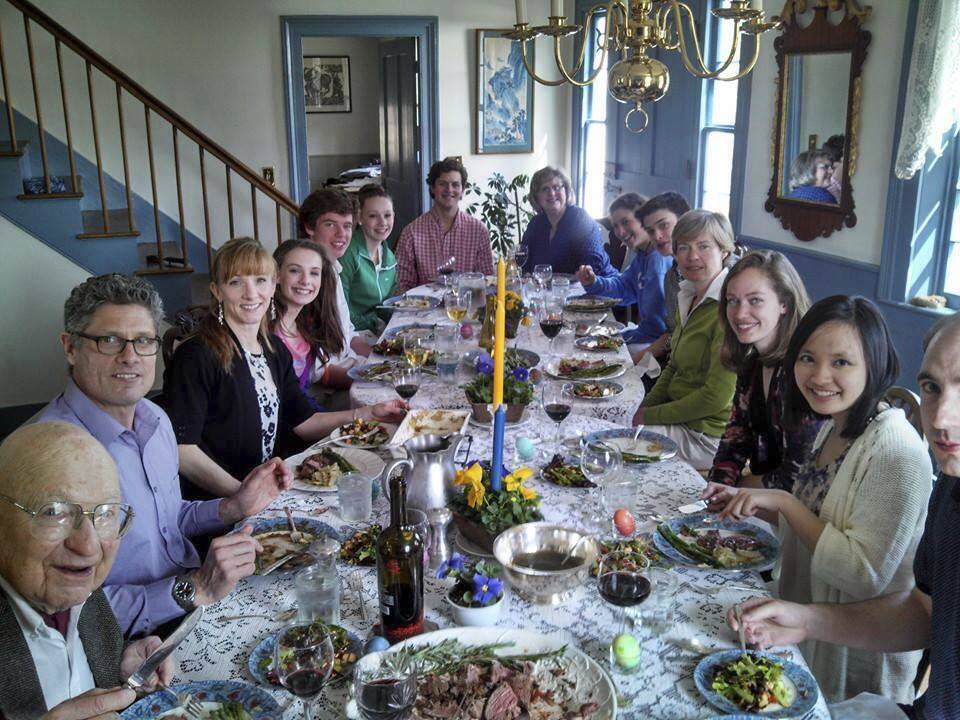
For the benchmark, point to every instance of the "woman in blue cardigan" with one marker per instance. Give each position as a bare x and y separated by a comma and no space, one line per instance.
562,235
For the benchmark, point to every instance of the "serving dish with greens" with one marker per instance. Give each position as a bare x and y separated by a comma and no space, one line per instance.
361,547
702,540
756,682
584,369
560,472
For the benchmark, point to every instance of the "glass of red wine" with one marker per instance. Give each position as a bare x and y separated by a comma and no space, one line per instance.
557,399
406,381
550,317
385,686
303,657
622,581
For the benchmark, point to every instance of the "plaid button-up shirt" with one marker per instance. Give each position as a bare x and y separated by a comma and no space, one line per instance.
424,244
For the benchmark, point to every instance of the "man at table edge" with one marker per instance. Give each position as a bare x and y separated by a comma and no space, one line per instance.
443,231
903,621
158,574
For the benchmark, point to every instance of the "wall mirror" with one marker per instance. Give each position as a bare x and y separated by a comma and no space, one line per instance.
820,55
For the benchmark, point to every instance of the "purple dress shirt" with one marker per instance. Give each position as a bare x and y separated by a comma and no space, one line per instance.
155,548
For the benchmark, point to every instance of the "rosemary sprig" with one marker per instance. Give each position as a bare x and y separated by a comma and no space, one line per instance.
449,655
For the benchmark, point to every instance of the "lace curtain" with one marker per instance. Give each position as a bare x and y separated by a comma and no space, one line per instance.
932,104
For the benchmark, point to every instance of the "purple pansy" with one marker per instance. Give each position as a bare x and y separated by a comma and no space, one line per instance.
486,590
456,562
521,374
485,364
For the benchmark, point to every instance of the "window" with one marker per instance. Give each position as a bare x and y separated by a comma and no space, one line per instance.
717,119
593,127
949,275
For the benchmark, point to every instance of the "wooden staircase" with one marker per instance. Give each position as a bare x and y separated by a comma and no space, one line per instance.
103,215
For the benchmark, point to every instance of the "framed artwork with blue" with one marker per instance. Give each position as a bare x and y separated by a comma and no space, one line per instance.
504,95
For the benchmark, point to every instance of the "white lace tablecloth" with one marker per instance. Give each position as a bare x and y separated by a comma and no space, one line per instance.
433,393
663,689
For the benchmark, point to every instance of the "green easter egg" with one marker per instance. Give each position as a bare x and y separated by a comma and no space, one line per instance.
626,651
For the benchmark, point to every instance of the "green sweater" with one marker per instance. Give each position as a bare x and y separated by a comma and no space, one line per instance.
694,389
364,285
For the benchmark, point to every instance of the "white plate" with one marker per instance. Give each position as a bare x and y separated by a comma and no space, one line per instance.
470,547
615,388
418,303
589,674
424,421
551,369
365,462
335,436
524,419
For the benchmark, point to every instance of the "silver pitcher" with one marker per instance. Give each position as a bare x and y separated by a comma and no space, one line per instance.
430,470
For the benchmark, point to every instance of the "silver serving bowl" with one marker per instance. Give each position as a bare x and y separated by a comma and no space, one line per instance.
544,587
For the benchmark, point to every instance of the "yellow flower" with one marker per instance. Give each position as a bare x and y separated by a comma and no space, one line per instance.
526,322
514,480
472,477
475,495
527,493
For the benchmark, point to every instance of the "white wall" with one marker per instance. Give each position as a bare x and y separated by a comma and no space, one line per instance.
356,132
881,78
218,64
36,281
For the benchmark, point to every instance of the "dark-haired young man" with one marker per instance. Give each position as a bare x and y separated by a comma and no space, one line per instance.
442,232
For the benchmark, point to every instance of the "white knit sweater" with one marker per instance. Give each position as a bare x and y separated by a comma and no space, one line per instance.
874,513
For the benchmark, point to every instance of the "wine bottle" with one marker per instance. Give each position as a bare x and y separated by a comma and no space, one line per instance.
400,570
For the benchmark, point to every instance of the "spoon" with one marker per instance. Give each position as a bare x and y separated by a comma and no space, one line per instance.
295,535
738,613
572,549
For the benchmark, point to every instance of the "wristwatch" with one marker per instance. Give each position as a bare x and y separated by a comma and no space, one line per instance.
184,593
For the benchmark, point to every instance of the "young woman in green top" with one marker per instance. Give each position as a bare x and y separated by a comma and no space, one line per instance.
369,267
691,401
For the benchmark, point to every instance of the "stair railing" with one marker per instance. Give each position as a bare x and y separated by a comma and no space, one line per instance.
152,107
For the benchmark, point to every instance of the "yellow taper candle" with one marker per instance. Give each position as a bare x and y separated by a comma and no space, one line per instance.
499,334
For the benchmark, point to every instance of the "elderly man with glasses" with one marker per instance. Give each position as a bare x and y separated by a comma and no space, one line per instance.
110,340
61,520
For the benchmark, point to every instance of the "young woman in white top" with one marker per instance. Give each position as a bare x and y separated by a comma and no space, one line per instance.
851,524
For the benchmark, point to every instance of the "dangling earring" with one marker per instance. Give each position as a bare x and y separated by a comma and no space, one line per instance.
220,313
273,310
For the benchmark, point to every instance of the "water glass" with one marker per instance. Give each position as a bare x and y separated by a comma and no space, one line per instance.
658,614
475,284
446,335
385,686
317,591
600,462
447,364
561,289
620,491
354,497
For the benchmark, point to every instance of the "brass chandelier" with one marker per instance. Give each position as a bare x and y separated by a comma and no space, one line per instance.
634,27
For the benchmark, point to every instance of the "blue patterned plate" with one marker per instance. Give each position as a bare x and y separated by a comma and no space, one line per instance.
421,329
412,303
649,444
770,548
807,692
278,549
264,649
259,703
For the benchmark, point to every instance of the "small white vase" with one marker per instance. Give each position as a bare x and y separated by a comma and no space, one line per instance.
476,617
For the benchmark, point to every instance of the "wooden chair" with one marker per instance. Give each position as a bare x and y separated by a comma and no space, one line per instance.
909,402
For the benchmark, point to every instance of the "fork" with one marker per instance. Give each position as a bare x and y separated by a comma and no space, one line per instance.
356,582
186,702
295,535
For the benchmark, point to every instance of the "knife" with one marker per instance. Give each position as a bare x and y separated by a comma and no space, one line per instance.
150,665
282,561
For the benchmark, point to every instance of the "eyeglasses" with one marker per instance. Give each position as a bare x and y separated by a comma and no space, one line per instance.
558,188
114,345
57,520
824,166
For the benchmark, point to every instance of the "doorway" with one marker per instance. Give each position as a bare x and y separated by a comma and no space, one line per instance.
392,74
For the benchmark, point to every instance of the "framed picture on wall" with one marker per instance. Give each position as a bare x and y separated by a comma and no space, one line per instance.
326,83
504,95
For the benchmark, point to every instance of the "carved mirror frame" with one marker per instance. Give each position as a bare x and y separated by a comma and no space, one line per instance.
809,220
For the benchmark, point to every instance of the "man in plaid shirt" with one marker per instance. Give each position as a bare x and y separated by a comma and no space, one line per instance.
443,232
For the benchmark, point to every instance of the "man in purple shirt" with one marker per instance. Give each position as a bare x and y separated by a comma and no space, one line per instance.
110,341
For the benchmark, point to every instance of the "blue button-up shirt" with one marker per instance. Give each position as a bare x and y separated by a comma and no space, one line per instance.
155,548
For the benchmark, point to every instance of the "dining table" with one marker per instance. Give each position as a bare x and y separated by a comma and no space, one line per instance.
663,687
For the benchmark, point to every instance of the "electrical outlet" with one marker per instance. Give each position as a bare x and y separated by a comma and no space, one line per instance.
267,173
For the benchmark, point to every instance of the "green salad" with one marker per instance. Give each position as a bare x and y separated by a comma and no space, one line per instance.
752,683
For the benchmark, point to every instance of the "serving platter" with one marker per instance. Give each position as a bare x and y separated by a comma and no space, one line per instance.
582,328
412,303
374,372
590,303
609,390
647,444
366,463
209,693
616,370
338,433
425,421
770,545
411,329
805,696
595,343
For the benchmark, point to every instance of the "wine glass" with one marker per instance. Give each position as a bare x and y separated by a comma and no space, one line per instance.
475,284
599,462
550,317
406,381
416,350
520,255
446,270
303,657
557,399
385,686
456,303
543,273
622,582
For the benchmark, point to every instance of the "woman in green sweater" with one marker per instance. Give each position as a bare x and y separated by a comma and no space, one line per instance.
691,401
369,267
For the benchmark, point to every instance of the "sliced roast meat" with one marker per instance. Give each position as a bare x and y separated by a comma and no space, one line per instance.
502,704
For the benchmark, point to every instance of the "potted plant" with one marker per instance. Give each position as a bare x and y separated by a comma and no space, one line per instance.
481,514
517,390
504,208
477,597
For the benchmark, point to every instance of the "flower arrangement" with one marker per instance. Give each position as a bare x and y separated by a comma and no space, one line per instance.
517,384
477,582
493,512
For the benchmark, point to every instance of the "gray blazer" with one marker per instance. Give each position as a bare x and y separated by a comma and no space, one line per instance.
20,695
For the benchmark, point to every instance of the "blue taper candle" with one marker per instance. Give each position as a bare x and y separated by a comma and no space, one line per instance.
496,470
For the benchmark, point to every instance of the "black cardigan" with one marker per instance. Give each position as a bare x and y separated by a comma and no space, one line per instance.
218,411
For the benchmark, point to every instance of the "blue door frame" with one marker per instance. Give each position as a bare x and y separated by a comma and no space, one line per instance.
294,28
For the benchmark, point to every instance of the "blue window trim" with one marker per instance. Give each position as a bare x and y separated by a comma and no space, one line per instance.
293,28
579,98
902,223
